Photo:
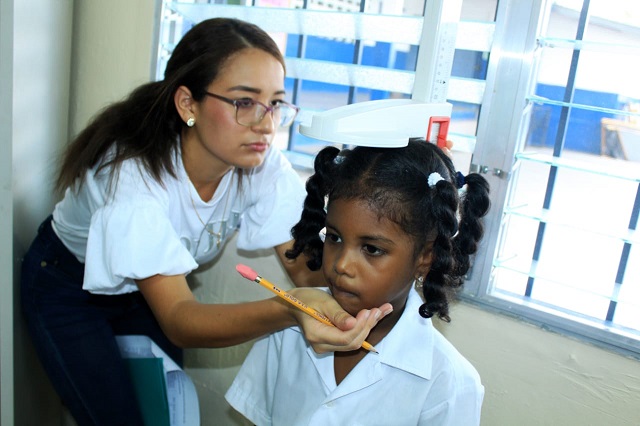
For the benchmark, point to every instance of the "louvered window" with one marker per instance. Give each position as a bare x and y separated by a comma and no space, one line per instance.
546,96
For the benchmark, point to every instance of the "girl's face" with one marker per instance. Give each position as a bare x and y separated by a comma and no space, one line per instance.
217,138
368,260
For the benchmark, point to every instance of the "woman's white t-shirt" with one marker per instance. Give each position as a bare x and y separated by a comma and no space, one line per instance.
143,228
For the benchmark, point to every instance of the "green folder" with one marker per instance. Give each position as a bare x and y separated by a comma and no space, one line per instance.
150,386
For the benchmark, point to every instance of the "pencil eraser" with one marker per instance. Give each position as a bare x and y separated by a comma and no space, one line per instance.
246,272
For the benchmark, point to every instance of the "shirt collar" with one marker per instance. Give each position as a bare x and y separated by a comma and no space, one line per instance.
409,344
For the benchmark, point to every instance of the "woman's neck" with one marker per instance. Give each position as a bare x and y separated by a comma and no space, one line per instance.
204,171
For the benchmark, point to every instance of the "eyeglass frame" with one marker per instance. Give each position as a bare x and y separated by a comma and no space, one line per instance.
267,109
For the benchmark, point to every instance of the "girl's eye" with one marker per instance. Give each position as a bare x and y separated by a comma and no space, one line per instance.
372,250
332,237
277,103
245,103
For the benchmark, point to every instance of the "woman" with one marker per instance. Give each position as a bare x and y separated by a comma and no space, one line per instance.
153,188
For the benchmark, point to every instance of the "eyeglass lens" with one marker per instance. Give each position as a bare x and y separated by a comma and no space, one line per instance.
282,114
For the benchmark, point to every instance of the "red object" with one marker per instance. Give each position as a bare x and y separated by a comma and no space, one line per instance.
438,130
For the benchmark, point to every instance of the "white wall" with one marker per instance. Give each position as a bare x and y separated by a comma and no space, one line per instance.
35,72
6,213
35,48
532,376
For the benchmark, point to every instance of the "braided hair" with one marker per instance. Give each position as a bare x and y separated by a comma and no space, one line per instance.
394,182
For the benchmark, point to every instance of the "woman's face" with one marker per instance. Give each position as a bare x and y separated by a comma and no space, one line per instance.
368,260
249,74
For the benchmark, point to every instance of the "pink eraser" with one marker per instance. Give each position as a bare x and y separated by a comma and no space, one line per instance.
246,272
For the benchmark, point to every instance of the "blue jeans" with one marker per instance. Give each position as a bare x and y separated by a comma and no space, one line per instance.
74,332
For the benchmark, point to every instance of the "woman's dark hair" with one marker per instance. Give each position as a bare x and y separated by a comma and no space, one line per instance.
146,124
394,183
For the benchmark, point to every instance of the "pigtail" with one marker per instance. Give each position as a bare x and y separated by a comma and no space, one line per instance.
439,281
475,204
306,233
451,255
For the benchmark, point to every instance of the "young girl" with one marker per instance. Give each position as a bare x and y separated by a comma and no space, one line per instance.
397,231
155,185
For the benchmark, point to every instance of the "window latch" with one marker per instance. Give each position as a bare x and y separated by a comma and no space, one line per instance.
479,168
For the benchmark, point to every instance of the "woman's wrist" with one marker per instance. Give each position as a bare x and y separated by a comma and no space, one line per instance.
284,312
292,312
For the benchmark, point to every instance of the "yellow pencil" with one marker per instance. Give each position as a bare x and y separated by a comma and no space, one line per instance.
252,275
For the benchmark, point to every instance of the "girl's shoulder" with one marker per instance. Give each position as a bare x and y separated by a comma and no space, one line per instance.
449,362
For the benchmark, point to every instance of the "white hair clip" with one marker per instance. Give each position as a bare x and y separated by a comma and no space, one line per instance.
339,159
433,179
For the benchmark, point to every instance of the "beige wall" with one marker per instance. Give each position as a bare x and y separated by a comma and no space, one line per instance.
112,53
532,376
536,377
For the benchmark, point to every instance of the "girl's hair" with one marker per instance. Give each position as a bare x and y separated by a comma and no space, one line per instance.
394,183
146,124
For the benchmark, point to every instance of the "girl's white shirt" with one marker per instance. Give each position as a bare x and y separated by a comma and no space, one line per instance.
143,228
417,378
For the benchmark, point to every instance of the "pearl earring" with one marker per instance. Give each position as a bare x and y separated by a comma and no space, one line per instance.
419,283
191,121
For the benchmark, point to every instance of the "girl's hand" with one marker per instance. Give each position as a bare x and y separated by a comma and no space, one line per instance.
348,333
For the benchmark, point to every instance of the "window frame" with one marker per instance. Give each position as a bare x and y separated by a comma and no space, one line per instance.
511,43
512,68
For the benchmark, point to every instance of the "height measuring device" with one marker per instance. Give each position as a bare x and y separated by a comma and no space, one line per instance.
391,122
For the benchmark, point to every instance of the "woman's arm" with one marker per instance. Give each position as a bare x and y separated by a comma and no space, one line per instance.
189,323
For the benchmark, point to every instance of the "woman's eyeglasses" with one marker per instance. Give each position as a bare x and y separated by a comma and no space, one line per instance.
250,113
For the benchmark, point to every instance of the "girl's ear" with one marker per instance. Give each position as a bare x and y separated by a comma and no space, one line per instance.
184,103
423,262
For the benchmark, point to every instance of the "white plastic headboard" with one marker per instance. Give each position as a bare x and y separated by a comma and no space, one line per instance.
382,123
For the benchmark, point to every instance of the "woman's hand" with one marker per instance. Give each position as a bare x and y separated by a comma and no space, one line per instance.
447,148
348,333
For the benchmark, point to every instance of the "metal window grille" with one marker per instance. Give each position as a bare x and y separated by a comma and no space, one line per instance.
563,246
